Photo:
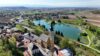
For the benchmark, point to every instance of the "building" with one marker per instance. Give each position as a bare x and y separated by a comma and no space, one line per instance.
64,52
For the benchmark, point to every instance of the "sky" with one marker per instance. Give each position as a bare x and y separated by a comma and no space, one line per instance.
53,3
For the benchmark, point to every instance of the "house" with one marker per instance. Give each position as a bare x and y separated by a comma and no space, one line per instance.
19,20
36,51
32,37
46,41
64,52
24,44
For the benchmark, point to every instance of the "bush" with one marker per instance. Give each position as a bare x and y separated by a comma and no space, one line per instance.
38,30
64,43
83,34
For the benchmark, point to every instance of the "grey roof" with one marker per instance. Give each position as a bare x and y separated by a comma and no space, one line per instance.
36,37
44,37
5,27
14,29
32,37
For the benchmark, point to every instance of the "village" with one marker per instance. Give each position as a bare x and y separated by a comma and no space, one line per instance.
26,31
29,43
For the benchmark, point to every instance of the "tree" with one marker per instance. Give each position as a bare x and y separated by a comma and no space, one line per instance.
58,32
44,26
92,28
64,43
25,30
83,34
78,39
72,13
61,34
65,17
48,43
19,27
57,40
38,32
84,17
28,23
59,21
52,25
84,23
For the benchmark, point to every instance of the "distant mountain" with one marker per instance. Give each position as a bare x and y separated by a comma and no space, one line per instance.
24,7
13,8
30,7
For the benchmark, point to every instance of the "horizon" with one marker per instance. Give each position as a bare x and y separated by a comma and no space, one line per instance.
49,3
36,6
